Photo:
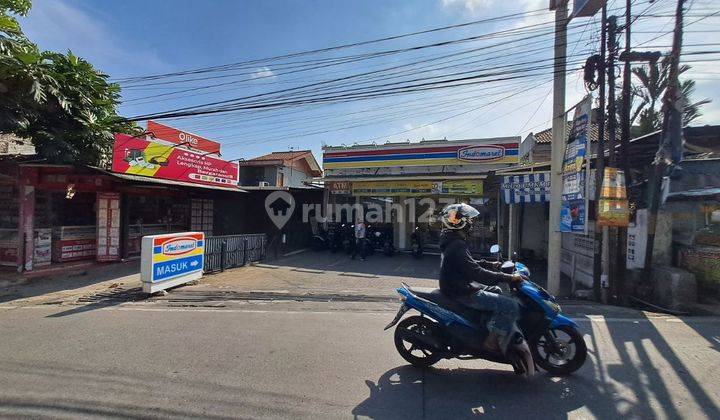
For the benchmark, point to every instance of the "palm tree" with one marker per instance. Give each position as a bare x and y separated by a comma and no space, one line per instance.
654,80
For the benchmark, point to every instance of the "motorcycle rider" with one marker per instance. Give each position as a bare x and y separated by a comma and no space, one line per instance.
474,282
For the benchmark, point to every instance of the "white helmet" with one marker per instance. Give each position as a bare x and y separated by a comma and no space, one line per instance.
458,216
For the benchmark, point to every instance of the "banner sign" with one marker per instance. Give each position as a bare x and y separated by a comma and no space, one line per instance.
573,208
176,136
141,157
340,187
526,188
171,259
417,188
436,153
108,226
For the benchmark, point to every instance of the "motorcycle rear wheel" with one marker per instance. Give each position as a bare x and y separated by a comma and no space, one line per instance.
573,354
417,355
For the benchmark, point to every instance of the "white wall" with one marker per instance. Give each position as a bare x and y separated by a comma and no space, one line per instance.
294,177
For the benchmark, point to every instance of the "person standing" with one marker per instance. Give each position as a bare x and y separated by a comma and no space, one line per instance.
360,232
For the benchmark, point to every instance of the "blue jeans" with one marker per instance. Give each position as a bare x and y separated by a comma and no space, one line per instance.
505,311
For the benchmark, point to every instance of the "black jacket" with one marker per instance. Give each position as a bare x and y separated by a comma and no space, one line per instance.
460,273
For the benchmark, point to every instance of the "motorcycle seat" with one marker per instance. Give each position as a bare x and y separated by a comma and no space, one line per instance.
435,296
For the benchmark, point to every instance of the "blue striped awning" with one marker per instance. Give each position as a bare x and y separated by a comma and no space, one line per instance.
526,188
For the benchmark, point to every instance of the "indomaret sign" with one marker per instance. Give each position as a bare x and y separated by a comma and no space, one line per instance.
433,153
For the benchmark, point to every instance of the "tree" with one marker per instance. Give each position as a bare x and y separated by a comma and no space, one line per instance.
60,101
653,78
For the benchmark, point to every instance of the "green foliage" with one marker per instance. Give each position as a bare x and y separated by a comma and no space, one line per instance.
653,81
60,101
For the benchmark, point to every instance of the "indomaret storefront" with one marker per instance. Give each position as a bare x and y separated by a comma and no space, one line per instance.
418,179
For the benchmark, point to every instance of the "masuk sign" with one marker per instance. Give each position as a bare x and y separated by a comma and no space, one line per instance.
171,259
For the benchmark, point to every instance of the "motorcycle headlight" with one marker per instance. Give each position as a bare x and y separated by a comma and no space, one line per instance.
555,307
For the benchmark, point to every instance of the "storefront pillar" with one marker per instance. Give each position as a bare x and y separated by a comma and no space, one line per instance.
400,222
28,179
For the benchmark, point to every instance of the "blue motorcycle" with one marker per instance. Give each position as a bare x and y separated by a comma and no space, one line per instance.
446,329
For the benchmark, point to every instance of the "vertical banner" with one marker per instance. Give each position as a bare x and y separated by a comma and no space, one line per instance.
573,208
108,226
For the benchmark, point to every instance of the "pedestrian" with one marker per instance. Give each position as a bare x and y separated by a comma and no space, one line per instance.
360,231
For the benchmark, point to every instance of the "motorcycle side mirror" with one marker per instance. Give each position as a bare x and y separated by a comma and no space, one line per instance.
495,249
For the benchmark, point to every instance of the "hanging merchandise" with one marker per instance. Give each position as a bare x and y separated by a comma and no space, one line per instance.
613,209
613,184
612,212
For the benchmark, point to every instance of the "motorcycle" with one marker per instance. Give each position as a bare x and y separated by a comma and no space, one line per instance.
416,242
347,237
446,329
380,239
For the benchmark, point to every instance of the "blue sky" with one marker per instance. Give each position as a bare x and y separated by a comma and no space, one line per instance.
135,38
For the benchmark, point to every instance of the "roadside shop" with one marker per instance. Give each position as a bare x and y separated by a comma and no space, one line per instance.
416,180
57,214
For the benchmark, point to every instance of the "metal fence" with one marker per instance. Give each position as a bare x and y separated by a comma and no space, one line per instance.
230,251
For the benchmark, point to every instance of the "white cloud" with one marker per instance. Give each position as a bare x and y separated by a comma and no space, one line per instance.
471,6
262,73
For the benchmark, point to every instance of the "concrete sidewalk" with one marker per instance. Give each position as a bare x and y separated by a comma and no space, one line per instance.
310,277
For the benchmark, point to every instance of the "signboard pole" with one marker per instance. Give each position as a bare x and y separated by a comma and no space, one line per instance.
558,146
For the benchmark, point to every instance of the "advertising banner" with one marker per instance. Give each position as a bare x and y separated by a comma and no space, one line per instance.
340,187
417,188
526,188
451,153
171,259
173,135
141,157
108,226
573,208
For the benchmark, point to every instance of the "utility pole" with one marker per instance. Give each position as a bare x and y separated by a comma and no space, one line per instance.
670,150
612,138
600,234
558,145
621,258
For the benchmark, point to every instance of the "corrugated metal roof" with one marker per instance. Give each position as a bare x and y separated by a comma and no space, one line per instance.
545,136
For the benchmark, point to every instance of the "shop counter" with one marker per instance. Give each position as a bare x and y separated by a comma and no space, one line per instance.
72,243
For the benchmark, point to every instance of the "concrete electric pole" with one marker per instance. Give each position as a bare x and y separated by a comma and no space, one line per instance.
558,145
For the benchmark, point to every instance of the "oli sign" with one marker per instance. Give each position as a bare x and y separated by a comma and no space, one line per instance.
172,259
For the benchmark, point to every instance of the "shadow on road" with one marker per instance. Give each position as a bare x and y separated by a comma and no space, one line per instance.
69,280
630,373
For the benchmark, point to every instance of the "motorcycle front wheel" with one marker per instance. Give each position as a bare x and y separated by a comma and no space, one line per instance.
563,358
412,349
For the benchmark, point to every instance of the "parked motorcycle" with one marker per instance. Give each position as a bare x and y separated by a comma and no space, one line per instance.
334,238
380,238
446,329
347,237
320,241
416,242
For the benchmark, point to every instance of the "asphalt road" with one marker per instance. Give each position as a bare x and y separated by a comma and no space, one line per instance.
317,360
